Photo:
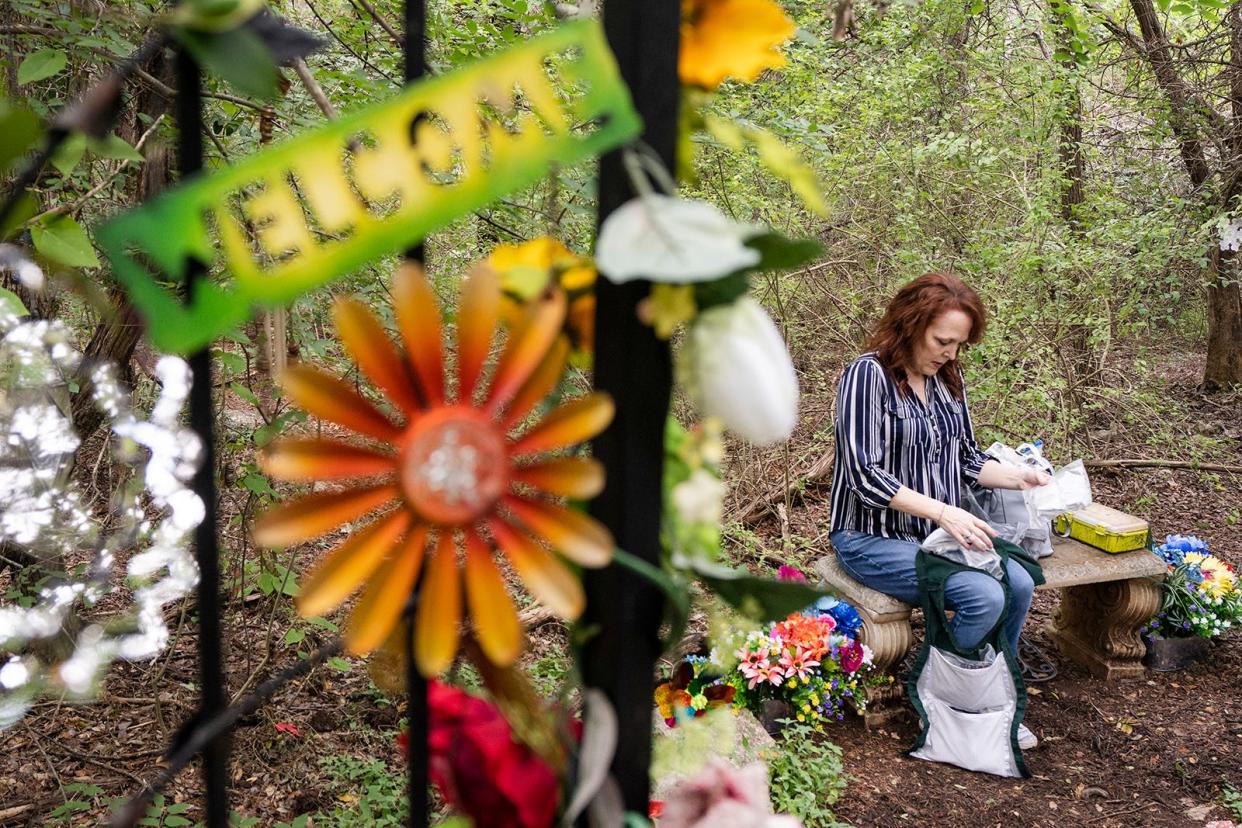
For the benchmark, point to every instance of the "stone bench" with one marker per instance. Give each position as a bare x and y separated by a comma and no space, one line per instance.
1105,600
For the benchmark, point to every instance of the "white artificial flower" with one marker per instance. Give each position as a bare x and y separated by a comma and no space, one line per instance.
735,366
700,498
668,239
12,258
1230,233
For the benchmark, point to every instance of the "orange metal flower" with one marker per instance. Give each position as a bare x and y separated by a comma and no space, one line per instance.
455,474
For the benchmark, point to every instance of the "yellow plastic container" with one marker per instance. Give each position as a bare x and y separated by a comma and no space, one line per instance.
1105,528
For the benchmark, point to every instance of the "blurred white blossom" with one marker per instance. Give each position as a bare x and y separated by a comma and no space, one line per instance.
735,366
666,239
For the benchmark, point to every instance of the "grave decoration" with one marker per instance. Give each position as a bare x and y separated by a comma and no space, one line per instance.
56,637
460,463
806,661
293,217
1201,595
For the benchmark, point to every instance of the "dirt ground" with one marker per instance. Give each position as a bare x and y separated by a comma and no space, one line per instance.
1154,751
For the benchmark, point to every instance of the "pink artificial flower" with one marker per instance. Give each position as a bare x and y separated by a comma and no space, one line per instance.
754,666
790,573
775,675
721,796
799,663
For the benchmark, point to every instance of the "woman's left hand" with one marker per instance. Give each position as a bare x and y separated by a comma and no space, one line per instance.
1028,478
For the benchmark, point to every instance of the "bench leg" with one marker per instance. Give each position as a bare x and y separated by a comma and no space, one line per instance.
1098,625
889,641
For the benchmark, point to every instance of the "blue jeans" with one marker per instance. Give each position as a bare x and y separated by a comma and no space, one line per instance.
977,599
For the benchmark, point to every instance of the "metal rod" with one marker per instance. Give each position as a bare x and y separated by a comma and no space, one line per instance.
635,367
414,31
189,110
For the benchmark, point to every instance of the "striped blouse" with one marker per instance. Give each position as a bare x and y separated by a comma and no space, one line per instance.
885,441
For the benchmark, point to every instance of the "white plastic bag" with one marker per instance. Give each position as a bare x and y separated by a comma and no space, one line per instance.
1070,489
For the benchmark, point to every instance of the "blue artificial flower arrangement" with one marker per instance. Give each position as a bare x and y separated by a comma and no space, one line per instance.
849,622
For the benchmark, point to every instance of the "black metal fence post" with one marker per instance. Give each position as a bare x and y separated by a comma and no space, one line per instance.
414,30
635,367
189,111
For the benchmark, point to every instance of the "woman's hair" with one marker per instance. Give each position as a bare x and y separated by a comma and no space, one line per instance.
906,319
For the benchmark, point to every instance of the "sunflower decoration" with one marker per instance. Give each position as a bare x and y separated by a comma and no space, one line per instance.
454,473
730,38
528,269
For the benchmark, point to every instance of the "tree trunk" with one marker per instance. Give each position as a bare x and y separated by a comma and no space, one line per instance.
1069,117
1181,119
1224,300
1224,297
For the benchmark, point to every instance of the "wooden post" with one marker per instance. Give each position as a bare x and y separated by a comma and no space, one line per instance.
634,366
414,23
210,660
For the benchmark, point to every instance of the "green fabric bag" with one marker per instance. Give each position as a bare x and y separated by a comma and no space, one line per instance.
970,702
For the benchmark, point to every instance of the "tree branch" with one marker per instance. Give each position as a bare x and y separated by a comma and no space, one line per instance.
397,39
314,89
346,46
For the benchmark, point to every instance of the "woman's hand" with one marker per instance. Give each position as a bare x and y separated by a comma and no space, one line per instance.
1029,478
998,475
965,528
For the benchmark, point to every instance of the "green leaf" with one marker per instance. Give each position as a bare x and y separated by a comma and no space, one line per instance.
113,146
20,130
41,65
245,393
977,7
338,663
69,153
721,291
323,623
239,58
64,241
778,252
760,598
295,636
258,484
232,361
10,303
23,211
175,821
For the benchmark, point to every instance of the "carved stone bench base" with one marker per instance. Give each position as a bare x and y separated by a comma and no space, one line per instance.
889,640
1098,625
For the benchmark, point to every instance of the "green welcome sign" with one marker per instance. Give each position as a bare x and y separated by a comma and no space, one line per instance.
320,205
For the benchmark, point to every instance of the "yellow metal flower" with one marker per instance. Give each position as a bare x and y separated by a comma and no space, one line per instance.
526,270
667,307
730,38
451,469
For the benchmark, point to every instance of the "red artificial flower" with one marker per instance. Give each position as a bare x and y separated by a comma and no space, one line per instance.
478,766
852,657
287,727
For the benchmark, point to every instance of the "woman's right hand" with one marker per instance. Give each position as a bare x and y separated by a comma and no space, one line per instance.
966,529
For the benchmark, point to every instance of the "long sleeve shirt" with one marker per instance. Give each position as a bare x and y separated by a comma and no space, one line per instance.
886,441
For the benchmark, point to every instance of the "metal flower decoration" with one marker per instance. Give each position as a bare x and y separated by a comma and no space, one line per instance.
455,471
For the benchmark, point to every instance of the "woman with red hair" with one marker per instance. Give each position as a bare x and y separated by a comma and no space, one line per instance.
904,443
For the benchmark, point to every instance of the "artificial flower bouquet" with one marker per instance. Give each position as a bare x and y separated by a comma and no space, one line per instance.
812,660
1201,594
